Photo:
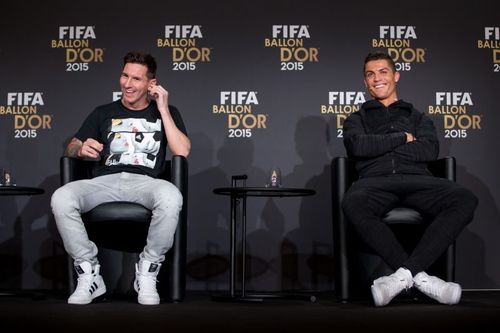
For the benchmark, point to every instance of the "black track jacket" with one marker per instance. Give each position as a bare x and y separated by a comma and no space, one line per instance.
375,138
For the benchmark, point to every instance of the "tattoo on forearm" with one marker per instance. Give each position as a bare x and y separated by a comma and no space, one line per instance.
72,148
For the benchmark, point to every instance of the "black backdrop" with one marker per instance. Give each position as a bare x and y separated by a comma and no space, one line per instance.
290,71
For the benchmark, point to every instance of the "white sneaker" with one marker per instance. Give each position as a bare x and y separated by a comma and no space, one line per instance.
385,288
145,282
90,284
442,291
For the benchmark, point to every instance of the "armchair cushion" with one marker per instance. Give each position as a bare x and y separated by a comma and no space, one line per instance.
103,221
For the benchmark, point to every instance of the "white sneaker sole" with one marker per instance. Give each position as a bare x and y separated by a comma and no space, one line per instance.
145,300
97,293
148,301
377,297
457,294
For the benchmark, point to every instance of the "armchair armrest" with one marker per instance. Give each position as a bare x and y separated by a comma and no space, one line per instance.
74,169
177,172
341,180
444,167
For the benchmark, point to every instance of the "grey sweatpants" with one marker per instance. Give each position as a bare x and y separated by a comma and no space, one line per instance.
75,198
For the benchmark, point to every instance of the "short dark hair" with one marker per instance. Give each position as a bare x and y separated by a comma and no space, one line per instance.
378,55
142,58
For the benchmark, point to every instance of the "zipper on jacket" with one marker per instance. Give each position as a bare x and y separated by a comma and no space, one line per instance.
393,163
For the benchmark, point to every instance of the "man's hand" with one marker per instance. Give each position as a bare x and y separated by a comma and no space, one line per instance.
90,148
160,94
178,142
410,137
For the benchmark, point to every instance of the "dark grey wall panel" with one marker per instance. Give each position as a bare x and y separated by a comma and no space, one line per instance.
294,111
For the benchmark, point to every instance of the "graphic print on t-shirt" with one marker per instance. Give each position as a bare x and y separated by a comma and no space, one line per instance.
134,141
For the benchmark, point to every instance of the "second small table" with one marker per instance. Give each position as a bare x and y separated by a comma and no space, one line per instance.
19,190
8,190
241,193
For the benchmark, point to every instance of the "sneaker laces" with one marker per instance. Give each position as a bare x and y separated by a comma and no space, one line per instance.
433,288
146,282
396,285
84,282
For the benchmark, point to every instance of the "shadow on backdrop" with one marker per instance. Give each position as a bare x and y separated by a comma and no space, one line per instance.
307,249
471,247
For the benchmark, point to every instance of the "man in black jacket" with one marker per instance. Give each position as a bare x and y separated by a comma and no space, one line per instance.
391,143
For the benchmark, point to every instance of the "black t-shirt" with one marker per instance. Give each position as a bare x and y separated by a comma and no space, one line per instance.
134,140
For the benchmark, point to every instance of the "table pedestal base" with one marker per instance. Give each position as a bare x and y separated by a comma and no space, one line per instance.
260,297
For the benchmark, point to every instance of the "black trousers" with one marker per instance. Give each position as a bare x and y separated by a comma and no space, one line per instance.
449,207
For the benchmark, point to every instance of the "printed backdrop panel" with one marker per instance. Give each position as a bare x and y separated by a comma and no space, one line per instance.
260,85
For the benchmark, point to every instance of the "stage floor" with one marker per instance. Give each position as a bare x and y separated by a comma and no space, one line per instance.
479,311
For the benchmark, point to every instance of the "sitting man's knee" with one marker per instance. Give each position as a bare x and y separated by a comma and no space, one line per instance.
353,200
170,197
469,200
60,200
466,198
